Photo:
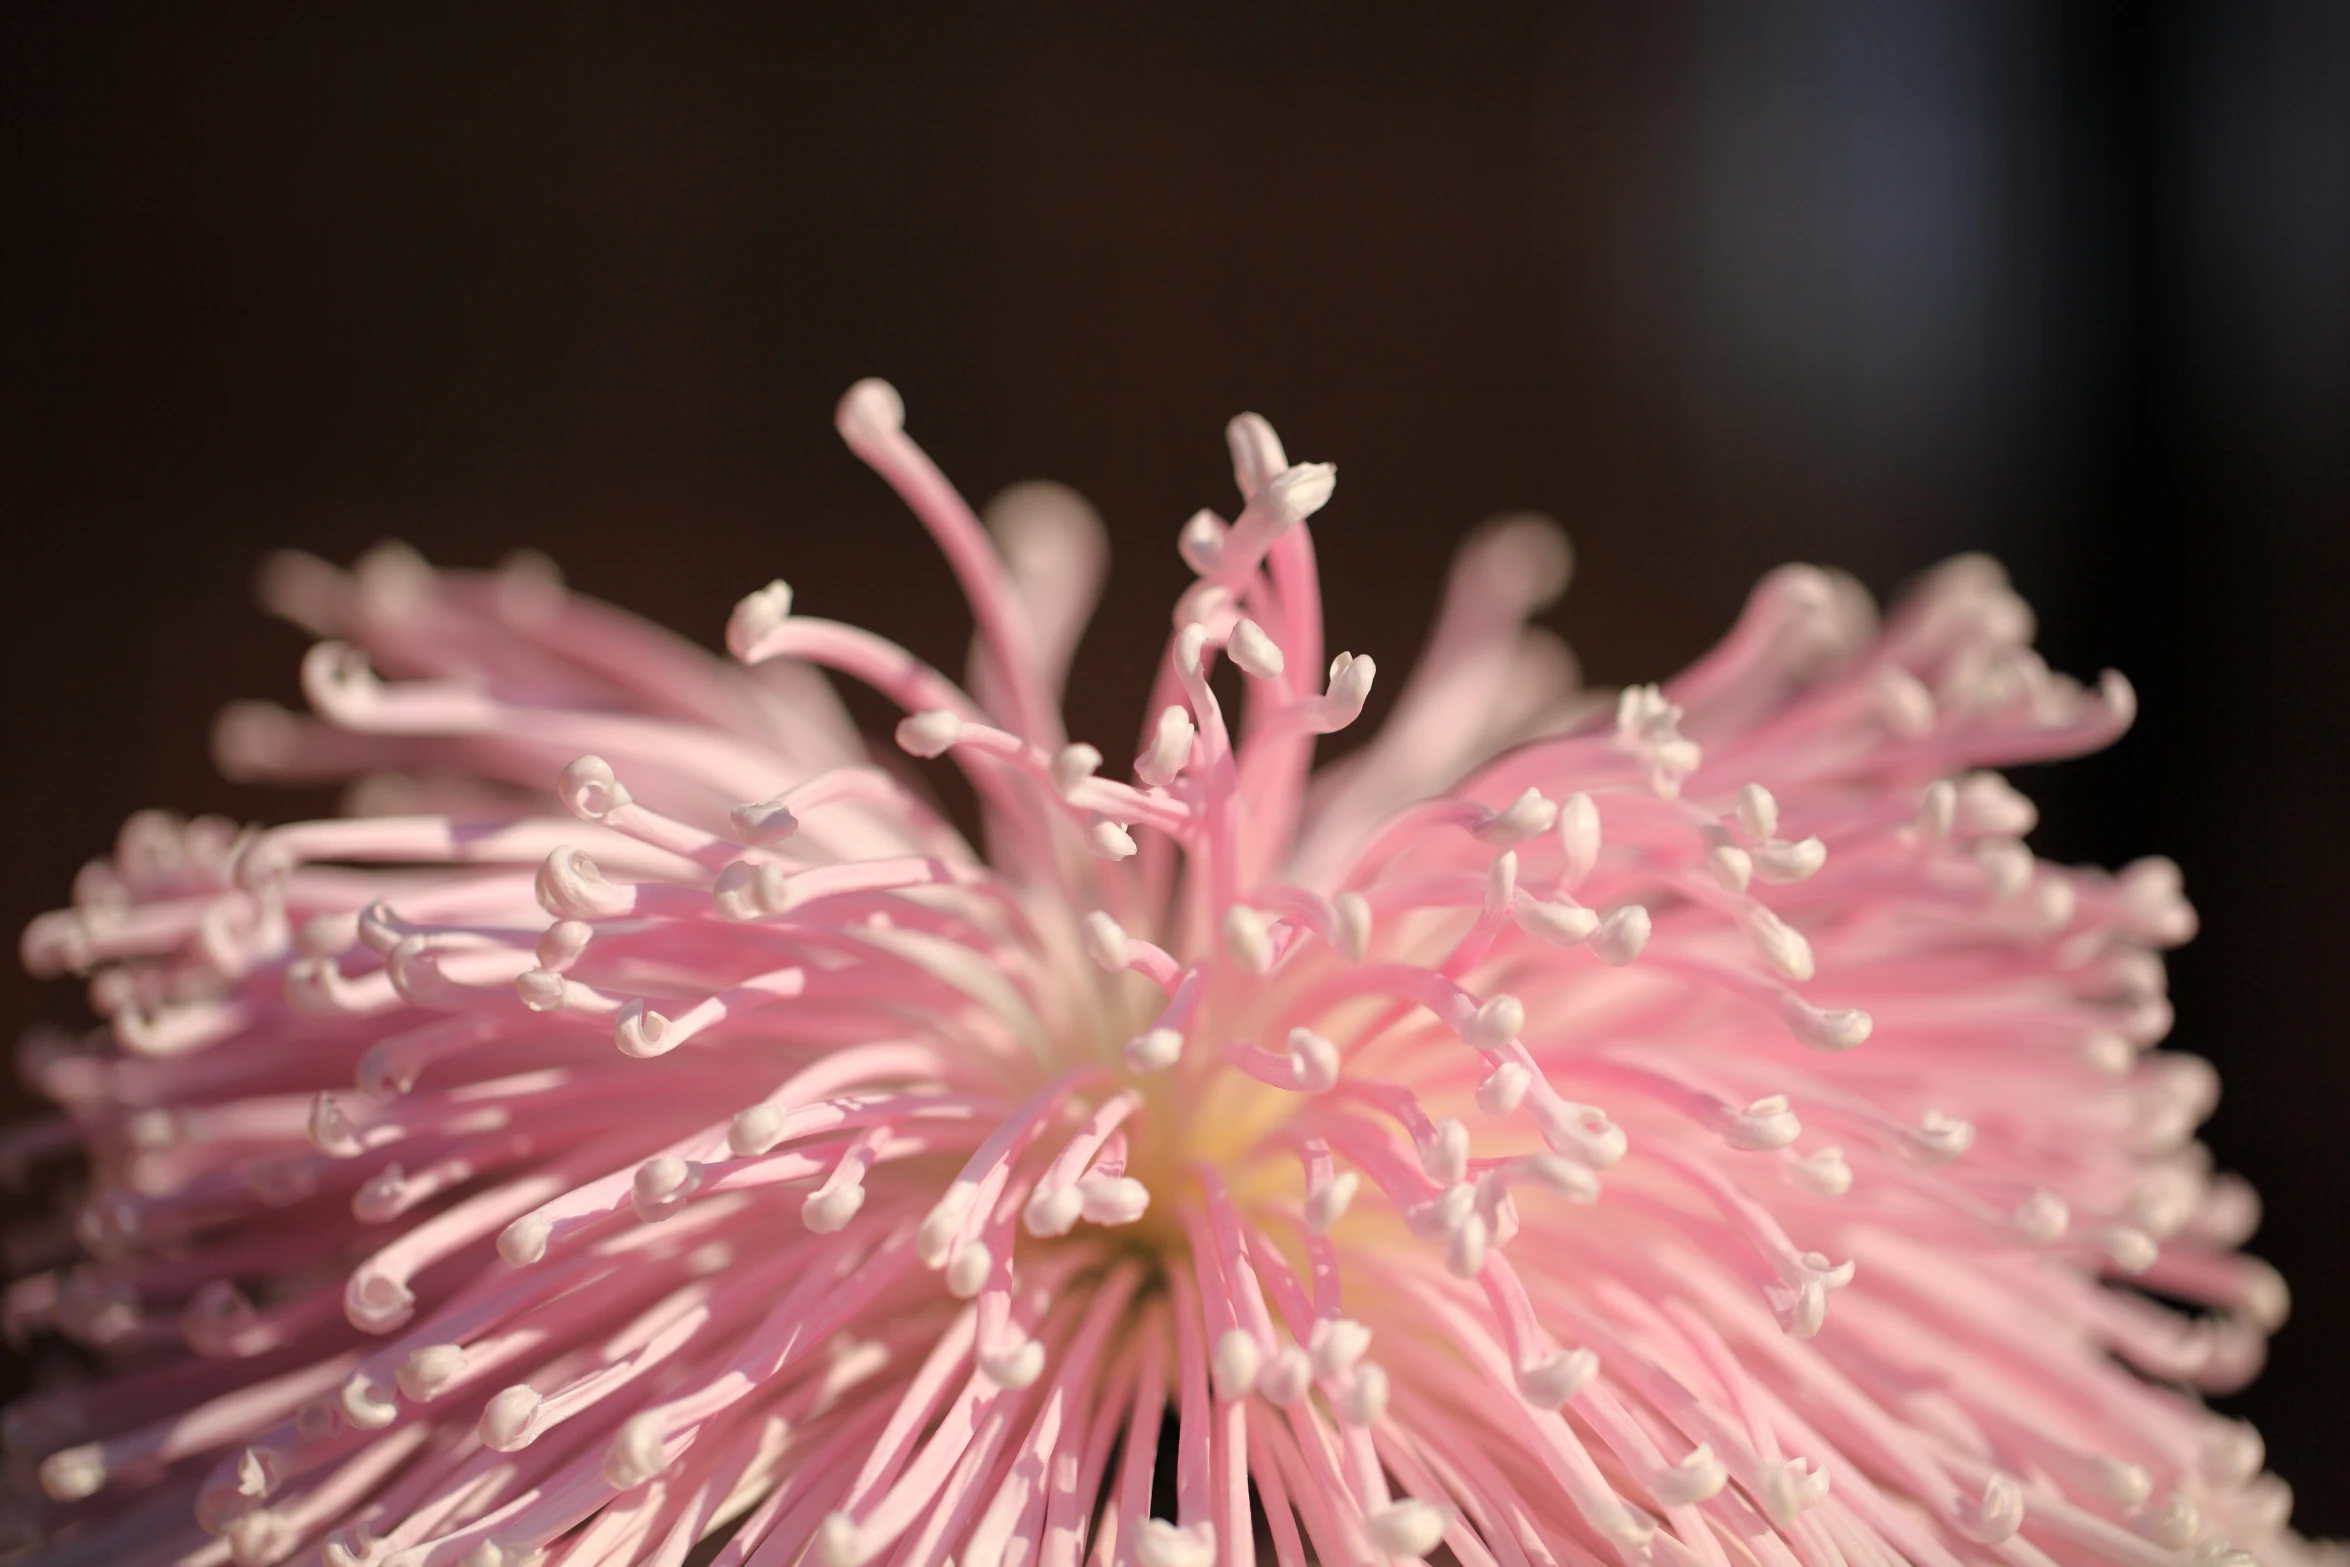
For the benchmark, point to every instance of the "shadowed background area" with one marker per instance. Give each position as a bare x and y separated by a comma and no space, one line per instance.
1716,286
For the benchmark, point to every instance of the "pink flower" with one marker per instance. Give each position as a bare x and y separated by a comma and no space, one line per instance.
1682,1127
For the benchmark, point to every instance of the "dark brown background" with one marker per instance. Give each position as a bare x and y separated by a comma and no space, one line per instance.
1715,285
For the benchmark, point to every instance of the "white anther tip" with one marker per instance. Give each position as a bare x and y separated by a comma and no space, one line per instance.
1553,1380
1338,1343
1528,816
1205,601
1288,1378
1153,1050
506,1421
1072,765
331,1131
937,1231
1304,489
661,1183
1235,1364
1112,1200
1904,703
1781,945
1781,863
1327,1203
589,789
1836,1029
73,1474
1013,1368
1256,653
2128,1248
1169,750
1051,1213
1351,675
1996,1516
2118,695
836,1541
1248,938
1802,1311
2041,1218
1497,1021
1622,935
1572,1179
428,1372
1105,941
755,1130
1191,643
2127,1485
2235,1453
1937,809
1823,1174
1109,840
641,1032
1408,1528
2008,867
1256,452
1989,806
1764,1126
870,411
968,1268
561,944
762,822
829,1212
368,1405
1578,830
570,885
1697,1478
1584,1133
375,1302
1444,1152
1467,1245
1313,1062
1159,1543
1789,1488
2174,1524
756,617
737,893
929,734
259,1472
1561,924
1939,1138
525,1240
1505,1089
1201,542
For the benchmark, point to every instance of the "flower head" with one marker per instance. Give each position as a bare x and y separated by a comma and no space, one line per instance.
1682,1126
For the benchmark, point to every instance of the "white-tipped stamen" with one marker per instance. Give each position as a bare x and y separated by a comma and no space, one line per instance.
1170,749
1235,1364
929,734
1256,653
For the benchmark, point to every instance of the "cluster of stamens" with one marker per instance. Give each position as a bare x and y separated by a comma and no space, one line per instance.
585,1183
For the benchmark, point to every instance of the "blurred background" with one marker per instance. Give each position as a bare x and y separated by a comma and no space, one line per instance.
1716,286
